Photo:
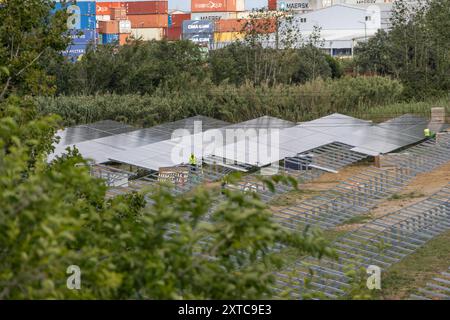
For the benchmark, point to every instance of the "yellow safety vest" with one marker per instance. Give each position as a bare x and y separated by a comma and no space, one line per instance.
192,160
427,132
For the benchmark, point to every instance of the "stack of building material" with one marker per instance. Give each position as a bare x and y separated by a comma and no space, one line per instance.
438,115
81,23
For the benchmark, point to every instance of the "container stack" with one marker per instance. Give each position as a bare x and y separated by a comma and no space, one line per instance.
175,27
220,11
146,20
113,25
82,26
200,32
149,19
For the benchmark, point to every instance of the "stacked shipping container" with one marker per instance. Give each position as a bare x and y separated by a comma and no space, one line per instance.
147,20
174,30
115,28
218,11
199,31
81,24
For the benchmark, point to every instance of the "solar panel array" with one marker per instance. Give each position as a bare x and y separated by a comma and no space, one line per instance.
364,136
381,242
173,152
101,147
272,140
360,193
437,288
91,131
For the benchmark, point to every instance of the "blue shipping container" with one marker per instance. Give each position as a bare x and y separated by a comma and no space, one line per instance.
198,26
83,36
82,14
200,37
110,38
75,50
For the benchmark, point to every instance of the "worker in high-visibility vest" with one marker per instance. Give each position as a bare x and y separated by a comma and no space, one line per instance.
428,133
193,160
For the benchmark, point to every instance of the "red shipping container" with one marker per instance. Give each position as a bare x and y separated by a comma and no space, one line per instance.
178,18
108,27
174,34
217,5
104,8
149,20
272,5
146,7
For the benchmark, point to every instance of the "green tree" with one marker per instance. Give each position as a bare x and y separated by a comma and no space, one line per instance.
28,32
416,50
55,215
138,67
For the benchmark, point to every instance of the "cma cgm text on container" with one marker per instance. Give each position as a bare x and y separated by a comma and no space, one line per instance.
198,26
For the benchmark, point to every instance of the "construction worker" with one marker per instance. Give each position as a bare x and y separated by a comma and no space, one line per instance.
428,134
193,162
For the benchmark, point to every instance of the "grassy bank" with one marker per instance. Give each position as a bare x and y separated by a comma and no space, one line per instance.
372,98
403,278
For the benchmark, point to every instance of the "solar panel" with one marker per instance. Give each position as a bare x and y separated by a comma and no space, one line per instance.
100,149
364,136
91,131
265,122
413,125
171,152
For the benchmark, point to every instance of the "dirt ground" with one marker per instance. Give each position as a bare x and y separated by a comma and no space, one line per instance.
307,190
416,190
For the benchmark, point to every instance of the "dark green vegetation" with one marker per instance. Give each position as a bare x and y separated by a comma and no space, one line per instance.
54,215
231,103
151,82
416,50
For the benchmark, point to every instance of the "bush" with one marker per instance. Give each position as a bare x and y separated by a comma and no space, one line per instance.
228,102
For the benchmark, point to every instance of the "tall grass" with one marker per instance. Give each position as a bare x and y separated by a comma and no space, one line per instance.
370,98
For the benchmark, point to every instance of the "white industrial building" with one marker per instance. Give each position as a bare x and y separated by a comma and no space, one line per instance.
341,26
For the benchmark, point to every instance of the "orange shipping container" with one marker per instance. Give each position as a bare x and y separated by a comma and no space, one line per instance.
267,25
217,5
149,20
118,14
146,7
104,8
231,25
108,27
240,25
123,38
